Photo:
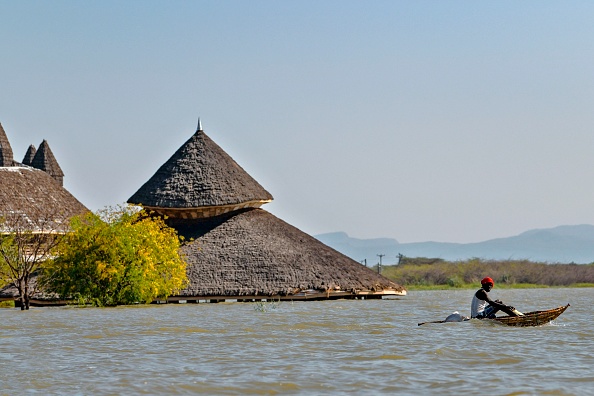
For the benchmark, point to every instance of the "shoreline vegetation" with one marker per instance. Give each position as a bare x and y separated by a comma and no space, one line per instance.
421,273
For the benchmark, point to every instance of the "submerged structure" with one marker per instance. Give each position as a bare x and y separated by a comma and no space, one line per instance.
237,250
32,192
32,198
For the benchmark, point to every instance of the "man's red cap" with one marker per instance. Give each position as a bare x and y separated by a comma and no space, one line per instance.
487,280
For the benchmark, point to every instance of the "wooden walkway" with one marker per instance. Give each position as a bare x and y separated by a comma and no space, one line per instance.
308,295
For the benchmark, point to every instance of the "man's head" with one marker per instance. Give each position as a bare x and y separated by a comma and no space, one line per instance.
487,283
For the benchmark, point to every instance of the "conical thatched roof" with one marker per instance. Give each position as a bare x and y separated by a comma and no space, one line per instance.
200,175
44,159
32,199
6,156
241,250
29,155
251,252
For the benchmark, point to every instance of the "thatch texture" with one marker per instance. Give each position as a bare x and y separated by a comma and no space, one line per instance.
38,297
31,196
199,174
44,159
29,155
252,252
6,156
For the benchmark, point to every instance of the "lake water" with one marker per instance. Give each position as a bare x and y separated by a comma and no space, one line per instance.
357,347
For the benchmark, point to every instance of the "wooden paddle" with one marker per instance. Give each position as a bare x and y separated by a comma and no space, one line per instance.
436,321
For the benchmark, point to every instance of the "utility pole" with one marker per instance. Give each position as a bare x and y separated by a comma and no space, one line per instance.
379,266
364,262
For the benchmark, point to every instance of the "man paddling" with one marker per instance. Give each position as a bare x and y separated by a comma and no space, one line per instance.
483,307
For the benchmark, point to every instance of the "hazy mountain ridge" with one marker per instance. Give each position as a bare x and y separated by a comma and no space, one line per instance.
562,244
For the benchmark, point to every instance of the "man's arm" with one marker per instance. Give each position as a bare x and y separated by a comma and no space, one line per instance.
482,295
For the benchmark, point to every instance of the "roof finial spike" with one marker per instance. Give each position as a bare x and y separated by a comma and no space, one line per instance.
199,128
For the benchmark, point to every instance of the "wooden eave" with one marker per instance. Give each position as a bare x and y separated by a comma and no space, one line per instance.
203,212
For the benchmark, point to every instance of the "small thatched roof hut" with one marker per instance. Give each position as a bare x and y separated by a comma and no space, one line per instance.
33,196
33,201
237,250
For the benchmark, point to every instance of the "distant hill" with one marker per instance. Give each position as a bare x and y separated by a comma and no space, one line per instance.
563,244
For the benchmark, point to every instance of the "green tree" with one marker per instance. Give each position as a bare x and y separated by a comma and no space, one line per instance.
117,256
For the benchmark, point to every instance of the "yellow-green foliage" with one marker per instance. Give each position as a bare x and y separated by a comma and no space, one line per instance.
7,304
118,256
432,272
8,256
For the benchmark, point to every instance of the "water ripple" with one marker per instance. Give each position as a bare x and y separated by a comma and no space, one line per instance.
320,348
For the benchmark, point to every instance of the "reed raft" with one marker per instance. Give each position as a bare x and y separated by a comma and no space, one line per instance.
535,318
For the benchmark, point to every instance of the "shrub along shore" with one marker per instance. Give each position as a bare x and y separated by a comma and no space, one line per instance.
433,273
422,273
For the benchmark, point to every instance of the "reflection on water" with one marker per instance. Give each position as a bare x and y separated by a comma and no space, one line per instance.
327,347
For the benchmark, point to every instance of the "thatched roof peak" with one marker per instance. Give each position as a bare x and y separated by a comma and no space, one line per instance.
44,160
199,174
6,156
29,155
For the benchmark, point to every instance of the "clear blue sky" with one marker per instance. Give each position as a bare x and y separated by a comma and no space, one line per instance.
454,121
